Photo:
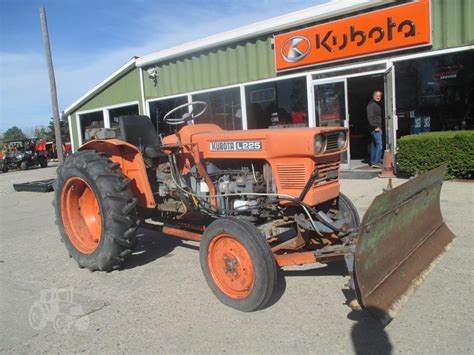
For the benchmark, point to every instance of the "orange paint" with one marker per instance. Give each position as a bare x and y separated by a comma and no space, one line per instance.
289,151
231,266
41,145
131,164
295,258
182,234
394,28
81,215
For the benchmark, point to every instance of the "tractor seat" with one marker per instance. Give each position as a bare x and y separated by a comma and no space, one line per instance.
140,132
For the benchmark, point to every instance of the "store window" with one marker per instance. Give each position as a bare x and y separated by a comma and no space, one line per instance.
281,103
158,110
223,108
435,93
115,113
330,104
90,122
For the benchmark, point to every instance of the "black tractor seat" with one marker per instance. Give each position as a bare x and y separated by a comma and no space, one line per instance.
140,132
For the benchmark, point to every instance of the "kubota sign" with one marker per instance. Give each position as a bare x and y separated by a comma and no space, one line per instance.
389,29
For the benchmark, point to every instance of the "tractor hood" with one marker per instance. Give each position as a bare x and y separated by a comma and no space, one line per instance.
213,142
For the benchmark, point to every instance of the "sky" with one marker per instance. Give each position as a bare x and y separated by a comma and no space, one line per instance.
90,39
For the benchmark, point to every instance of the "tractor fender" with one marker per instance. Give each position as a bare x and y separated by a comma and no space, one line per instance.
131,164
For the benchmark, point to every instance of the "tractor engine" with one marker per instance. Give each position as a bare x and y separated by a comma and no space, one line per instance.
237,184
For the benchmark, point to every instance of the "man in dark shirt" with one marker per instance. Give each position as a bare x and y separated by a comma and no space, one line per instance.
374,116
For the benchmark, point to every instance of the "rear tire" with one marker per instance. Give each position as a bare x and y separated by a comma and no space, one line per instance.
238,264
24,165
95,211
37,316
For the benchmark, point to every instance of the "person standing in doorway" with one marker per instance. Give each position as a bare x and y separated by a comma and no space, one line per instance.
374,117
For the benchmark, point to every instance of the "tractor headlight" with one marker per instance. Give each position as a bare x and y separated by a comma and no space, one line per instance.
318,144
341,140
20,156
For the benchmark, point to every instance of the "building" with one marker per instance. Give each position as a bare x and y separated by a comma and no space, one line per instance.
315,67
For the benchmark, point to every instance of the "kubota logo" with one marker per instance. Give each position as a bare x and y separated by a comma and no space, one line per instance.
393,28
295,48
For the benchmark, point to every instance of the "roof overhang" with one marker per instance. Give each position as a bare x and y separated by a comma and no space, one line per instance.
293,19
122,70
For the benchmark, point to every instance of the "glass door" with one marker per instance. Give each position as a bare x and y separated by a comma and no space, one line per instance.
330,103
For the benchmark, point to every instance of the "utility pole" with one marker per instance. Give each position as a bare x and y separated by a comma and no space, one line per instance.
52,84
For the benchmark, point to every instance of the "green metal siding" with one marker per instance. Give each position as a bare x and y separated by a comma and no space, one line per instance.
234,64
124,89
453,23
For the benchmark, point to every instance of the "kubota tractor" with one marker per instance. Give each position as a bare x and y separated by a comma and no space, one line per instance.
256,200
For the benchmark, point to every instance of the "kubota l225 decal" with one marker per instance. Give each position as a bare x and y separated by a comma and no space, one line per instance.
388,29
235,146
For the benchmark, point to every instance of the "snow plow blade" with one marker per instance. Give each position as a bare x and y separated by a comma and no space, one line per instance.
401,237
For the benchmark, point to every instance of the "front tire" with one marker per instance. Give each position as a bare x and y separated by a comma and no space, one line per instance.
95,211
349,211
24,165
238,264
62,323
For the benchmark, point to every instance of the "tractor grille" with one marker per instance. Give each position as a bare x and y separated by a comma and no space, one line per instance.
328,171
331,142
292,176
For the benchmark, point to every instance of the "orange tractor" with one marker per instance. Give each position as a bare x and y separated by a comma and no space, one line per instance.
256,200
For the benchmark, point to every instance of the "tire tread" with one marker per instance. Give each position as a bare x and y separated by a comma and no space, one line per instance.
120,209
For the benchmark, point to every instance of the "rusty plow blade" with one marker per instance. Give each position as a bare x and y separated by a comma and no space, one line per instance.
401,237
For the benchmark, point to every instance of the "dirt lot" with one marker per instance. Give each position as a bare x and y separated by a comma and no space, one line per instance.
160,302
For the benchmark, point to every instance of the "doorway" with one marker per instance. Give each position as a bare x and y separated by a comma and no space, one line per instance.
342,102
359,92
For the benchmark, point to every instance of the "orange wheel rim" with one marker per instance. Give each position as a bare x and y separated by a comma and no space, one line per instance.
81,215
230,266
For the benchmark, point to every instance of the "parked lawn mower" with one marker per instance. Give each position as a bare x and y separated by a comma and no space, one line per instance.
256,200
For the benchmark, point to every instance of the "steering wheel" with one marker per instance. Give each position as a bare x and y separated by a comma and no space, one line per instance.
188,116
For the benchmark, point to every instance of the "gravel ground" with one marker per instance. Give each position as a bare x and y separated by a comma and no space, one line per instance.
160,302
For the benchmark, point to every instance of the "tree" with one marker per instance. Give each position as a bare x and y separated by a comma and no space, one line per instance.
44,133
12,134
64,129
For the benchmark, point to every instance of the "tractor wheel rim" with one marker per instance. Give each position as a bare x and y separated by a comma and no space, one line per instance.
231,266
81,215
